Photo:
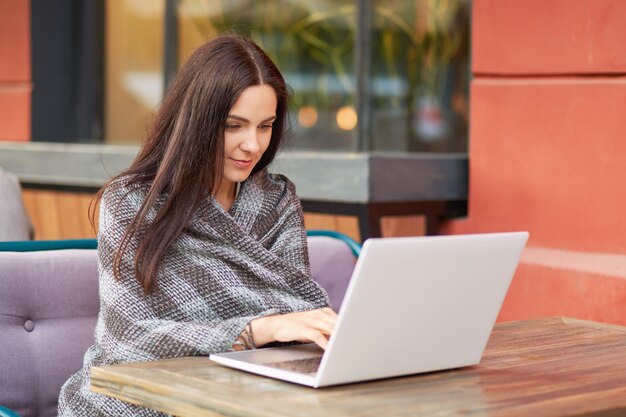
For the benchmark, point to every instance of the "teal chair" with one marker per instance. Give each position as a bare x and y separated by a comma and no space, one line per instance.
5,412
354,246
39,245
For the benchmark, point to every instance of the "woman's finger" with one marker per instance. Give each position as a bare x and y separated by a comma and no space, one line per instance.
322,323
328,311
317,338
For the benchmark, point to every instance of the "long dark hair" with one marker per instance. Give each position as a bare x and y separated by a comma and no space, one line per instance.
182,156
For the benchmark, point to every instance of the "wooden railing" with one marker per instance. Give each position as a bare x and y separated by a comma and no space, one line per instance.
64,215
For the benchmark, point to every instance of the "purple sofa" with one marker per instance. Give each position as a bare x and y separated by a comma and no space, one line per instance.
48,310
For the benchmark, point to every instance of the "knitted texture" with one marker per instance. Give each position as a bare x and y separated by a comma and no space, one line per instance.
226,269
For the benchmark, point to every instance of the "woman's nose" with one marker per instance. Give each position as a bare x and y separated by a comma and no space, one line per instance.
251,141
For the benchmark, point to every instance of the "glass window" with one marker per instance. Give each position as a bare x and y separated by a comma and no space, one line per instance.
133,67
418,85
414,94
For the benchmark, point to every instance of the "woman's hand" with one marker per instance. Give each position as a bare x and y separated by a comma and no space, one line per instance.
308,326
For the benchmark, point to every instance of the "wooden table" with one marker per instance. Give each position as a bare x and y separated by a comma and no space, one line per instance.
547,367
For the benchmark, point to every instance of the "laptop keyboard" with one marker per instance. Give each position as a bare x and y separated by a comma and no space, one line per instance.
302,366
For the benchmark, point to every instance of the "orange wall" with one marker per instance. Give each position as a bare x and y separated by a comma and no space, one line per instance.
15,74
548,151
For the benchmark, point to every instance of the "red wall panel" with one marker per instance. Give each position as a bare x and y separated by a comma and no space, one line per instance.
548,36
15,70
548,151
14,41
15,113
549,156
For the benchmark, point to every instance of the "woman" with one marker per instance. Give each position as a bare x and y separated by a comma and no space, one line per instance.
200,249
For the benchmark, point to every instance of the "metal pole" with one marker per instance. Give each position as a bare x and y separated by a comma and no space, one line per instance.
170,43
362,72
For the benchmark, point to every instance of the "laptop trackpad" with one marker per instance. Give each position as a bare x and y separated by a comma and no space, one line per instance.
303,359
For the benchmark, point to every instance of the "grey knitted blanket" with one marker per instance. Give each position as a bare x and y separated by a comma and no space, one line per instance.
226,269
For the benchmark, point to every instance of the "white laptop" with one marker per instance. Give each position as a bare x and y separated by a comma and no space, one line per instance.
415,304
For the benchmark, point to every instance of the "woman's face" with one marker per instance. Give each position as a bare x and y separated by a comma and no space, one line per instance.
248,132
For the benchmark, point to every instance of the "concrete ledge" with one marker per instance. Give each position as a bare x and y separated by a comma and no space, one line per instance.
319,176
61,164
336,177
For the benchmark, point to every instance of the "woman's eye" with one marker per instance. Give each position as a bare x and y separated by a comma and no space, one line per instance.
232,127
265,127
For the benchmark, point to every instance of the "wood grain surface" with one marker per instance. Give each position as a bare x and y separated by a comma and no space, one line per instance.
65,215
545,367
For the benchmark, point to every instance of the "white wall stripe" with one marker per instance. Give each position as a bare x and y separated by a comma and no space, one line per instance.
613,265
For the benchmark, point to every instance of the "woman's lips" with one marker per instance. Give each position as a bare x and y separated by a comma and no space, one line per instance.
242,163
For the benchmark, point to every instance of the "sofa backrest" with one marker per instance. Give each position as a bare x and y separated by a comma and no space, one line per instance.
332,263
48,309
49,306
